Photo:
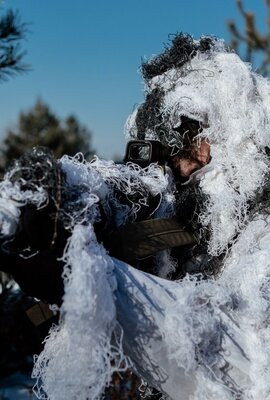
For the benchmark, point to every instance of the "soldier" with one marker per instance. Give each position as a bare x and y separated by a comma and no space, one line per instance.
164,219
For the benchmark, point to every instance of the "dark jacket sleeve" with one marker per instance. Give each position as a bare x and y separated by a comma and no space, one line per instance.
39,271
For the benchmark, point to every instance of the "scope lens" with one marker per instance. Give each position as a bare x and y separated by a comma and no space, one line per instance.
139,152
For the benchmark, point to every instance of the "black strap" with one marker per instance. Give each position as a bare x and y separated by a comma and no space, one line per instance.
142,239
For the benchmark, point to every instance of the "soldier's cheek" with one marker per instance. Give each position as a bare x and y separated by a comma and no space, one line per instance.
187,167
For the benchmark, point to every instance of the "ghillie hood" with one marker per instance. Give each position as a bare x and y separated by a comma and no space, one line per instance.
201,82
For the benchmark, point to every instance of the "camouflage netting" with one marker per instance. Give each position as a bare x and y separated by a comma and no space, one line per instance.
149,119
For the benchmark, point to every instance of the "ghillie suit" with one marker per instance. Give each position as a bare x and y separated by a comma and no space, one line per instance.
193,338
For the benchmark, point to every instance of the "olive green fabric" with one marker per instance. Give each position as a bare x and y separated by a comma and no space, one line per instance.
145,238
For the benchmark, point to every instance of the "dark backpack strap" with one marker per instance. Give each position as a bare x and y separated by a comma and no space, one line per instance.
142,239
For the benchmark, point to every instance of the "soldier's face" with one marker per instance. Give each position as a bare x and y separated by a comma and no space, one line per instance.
198,157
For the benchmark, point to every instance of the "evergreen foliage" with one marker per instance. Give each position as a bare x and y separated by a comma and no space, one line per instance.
12,31
41,127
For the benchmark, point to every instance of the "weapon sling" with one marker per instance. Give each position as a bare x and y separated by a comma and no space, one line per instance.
142,239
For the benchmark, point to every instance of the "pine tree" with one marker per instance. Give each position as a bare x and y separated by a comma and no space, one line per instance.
40,126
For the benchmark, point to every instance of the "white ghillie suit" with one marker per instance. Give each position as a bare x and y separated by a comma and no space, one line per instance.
191,339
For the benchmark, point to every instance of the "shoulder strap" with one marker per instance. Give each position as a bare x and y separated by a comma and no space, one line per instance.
142,239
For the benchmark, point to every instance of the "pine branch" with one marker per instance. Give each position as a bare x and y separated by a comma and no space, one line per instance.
11,27
12,31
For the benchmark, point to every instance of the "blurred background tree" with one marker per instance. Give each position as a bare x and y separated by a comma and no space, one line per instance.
250,43
40,126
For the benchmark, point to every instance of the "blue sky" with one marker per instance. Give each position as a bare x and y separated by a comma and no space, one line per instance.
85,56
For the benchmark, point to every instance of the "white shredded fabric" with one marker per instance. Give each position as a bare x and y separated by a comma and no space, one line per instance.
192,339
232,103
79,358
81,354
12,198
228,317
